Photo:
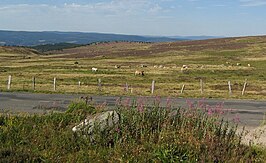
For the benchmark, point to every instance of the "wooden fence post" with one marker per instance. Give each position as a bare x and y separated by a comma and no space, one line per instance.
126,87
152,87
99,84
229,87
131,89
182,89
9,82
201,86
244,88
33,83
54,84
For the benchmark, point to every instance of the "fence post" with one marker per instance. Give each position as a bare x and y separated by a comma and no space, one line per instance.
54,84
152,86
33,83
244,88
229,87
126,87
201,86
79,83
9,82
182,89
99,84
131,89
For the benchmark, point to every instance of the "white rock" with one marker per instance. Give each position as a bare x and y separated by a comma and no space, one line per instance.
103,121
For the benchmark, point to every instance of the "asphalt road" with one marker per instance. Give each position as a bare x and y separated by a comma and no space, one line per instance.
249,112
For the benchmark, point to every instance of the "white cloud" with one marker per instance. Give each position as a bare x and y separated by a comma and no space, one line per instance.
119,16
115,7
126,7
220,5
252,3
155,9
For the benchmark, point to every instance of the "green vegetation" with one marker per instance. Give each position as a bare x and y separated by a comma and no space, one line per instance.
143,134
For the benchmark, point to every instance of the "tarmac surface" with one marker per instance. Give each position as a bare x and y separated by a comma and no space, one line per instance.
249,113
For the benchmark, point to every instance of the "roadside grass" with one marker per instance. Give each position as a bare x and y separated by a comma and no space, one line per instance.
145,133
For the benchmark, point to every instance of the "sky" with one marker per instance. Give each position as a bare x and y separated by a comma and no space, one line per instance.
137,17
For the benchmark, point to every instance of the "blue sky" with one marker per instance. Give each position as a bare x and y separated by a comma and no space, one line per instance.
141,17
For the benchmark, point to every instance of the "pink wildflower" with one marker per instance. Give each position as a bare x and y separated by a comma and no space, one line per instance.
201,103
168,103
236,118
118,102
209,109
140,105
157,100
126,103
117,129
219,108
189,104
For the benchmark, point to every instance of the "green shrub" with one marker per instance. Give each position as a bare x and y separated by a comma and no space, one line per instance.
80,107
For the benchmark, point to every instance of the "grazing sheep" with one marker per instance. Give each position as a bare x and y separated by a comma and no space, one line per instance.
238,64
137,72
94,69
248,65
161,66
184,68
117,66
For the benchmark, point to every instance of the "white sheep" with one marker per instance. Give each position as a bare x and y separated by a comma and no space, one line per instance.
184,68
94,69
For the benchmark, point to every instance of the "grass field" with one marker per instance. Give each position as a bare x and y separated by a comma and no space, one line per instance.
213,61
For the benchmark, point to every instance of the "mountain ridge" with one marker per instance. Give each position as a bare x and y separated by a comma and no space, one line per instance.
33,38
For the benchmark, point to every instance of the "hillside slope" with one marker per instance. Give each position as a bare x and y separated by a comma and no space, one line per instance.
17,50
146,49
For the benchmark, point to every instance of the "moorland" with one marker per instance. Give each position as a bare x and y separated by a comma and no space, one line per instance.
214,61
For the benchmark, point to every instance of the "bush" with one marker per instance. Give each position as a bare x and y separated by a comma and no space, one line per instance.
80,107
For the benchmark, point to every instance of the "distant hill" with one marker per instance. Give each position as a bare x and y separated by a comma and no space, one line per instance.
195,37
56,46
22,38
17,50
144,49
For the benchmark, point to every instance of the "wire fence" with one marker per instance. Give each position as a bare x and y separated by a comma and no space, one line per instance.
106,87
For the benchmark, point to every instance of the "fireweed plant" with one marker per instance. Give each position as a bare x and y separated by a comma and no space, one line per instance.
146,132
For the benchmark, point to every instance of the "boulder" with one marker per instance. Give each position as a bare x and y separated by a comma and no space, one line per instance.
101,121
256,136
